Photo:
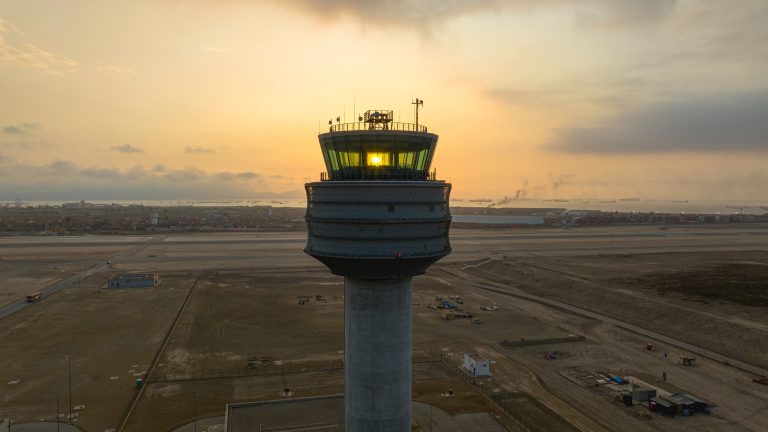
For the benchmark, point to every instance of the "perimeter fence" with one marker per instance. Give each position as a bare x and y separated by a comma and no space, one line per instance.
267,368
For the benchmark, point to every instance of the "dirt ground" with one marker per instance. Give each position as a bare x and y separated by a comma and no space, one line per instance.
745,283
599,283
110,337
658,291
217,331
246,307
24,270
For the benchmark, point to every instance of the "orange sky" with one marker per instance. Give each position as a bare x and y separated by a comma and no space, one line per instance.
163,99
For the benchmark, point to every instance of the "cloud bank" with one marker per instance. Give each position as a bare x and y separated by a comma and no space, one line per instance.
199,150
722,123
66,180
424,14
21,128
126,148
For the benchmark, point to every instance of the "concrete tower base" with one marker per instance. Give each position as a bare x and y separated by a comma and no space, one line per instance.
377,354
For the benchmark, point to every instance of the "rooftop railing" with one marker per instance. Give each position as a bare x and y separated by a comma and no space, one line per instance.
388,126
362,174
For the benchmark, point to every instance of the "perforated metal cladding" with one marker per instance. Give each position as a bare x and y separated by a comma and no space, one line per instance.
383,220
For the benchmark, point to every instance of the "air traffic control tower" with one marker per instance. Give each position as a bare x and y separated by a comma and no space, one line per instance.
378,217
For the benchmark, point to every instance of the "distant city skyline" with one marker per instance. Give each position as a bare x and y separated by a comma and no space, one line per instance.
658,99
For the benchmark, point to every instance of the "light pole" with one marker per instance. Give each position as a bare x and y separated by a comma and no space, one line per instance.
69,373
194,408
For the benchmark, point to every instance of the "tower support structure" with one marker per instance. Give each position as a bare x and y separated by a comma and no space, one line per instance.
378,218
377,354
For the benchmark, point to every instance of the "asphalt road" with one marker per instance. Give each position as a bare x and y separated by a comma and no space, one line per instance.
60,285
51,289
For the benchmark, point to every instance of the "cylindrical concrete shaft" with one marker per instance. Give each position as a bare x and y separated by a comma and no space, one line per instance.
377,355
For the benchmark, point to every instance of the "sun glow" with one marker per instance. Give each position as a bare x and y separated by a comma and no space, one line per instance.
377,159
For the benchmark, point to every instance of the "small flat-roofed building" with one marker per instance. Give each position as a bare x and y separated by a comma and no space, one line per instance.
662,407
477,365
643,394
685,401
133,280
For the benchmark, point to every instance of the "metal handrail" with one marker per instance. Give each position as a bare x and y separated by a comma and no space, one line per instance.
390,126
361,174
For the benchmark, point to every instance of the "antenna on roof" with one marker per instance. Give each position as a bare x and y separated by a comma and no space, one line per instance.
418,102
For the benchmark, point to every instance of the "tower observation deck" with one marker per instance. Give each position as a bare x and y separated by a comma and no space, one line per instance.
378,216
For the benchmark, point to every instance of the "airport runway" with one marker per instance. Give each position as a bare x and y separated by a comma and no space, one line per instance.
283,251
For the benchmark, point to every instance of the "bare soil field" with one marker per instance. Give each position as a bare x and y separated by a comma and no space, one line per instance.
234,316
246,306
745,283
110,336
658,291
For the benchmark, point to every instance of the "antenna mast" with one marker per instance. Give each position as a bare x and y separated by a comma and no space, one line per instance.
418,102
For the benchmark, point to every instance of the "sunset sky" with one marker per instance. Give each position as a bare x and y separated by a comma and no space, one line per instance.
199,99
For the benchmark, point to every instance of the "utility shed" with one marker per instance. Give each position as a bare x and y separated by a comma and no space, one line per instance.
643,394
662,407
133,280
477,365
685,401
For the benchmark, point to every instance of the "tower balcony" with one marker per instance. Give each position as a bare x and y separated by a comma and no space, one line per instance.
363,126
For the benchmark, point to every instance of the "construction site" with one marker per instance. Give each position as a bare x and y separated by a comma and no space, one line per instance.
656,331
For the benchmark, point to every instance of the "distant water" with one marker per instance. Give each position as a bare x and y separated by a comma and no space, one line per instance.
607,205
500,219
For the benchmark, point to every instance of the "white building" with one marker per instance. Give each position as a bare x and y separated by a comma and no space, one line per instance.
477,365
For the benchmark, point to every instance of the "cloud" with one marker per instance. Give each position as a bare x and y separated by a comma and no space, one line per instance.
126,148
617,14
729,122
16,50
64,179
199,150
188,174
423,14
21,128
